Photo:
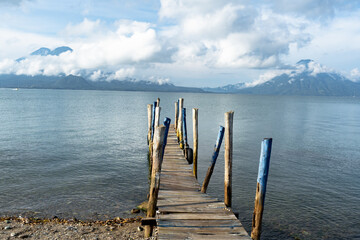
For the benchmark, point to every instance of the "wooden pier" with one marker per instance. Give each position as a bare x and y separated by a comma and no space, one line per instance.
184,212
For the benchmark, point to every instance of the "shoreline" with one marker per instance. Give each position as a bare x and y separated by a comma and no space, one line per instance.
57,228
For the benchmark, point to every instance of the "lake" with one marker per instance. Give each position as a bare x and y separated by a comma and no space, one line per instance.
83,154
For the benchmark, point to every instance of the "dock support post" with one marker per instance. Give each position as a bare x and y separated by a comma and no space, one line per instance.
155,176
176,114
149,111
167,122
157,116
261,187
185,133
213,161
158,102
195,140
228,158
180,123
153,122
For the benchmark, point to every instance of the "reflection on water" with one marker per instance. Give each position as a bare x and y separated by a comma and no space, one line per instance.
84,154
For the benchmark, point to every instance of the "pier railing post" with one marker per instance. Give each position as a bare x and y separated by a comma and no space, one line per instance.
228,158
155,176
167,122
195,140
180,123
176,114
213,161
261,187
157,116
153,122
149,111
185,132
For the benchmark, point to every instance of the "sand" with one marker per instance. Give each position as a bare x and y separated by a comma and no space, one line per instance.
46,229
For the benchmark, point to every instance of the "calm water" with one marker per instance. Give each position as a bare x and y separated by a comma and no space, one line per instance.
84,154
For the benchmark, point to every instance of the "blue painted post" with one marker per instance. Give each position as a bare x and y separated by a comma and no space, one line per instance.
167,122
263,173
213,160
153,122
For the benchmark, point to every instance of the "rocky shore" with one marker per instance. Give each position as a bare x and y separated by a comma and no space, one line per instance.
55,228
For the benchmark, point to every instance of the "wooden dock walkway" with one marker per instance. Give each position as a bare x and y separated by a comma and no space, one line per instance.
183,211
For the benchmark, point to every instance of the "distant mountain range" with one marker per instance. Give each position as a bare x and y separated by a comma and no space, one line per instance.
308,78
78,83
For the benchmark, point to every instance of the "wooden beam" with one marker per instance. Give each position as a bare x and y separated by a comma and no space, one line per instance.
195,140
213,161
229,116
264,165
155,175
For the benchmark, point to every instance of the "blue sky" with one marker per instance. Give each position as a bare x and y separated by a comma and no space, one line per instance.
187,42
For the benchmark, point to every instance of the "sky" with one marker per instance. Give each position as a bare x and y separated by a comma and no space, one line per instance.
193,43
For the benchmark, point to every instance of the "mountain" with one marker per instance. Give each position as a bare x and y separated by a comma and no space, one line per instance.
307,78
41,51
60,50
79,83
46,51
231,88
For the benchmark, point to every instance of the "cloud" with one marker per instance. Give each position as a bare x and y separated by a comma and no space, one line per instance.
355,74
309,67
130,42
230,35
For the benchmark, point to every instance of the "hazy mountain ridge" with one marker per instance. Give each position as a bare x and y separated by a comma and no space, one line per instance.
79,83
308,78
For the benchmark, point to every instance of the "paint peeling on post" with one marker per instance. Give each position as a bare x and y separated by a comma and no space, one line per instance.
263,173
213,160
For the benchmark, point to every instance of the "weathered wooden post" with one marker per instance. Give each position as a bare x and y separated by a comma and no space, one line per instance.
263,173
180,123
153,122
158,102
213,161
167,122
149,111
185,133
195,140
155,176
157,116
229,116
176,114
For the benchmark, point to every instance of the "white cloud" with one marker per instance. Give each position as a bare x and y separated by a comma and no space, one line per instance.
355,74
130,42
122,74
268,75
159,80
230,35
192,36
84,29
